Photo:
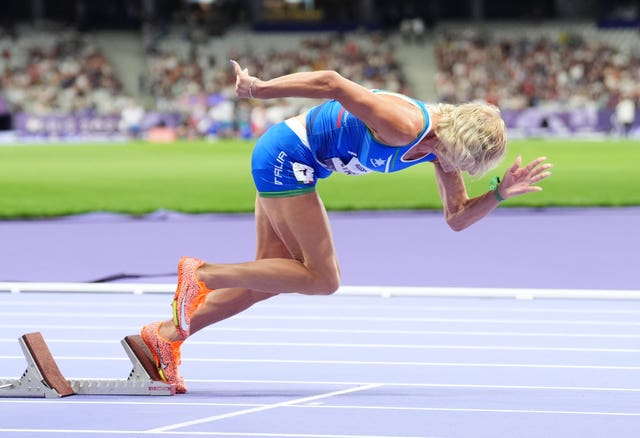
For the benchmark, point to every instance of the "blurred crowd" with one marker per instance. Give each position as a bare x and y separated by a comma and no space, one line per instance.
518,73
57,72
191,82
63,72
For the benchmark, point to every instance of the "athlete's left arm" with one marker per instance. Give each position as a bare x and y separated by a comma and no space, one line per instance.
461,211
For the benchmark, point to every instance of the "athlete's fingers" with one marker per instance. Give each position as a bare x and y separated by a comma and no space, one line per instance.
534,163
516,164
533,179
540,169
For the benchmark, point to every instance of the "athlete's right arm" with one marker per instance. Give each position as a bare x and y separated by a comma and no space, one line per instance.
321,84
398,124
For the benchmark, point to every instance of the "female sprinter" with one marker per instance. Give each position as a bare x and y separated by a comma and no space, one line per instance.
355,131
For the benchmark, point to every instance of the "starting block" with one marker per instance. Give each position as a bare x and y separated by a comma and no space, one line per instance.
43,378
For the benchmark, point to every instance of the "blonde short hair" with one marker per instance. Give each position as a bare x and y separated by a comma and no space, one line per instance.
473,136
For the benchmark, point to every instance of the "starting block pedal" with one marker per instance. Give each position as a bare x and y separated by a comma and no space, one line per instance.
43,378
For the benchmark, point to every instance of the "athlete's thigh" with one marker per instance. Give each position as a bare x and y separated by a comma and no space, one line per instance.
302,224
269,244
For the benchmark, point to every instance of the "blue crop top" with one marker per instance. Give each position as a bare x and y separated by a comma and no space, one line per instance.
342,143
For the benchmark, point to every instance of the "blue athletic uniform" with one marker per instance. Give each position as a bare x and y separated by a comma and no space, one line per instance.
289,159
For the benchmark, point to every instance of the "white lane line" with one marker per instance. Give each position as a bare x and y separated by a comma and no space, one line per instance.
413,346
388,306
316,345
415,363
482,410
174,433
133,329
169,430
358,362
279,383
67,341
345,290
420,385
89,304
428,332
480,308
124,402
87,327
79,315
263,408
445,320
87,358
351,318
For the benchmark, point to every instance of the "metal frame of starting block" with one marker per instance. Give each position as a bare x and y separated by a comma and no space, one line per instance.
43,378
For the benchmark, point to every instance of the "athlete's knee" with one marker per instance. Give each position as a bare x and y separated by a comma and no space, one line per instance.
257,296
328,282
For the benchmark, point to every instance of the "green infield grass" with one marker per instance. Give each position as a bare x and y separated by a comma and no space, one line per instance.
200,176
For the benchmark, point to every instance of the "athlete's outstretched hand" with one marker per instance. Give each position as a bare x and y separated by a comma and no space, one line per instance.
520,180
244,82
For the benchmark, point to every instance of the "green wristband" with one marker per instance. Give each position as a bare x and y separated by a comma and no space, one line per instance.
493,186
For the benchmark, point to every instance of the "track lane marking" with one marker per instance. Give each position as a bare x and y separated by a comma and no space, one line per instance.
264,408
360,345
359,362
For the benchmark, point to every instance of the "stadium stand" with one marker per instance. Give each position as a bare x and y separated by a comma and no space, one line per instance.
125,51
518,67
57,70
181,76
190,74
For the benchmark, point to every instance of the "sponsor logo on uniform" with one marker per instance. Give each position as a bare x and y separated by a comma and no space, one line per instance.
303,173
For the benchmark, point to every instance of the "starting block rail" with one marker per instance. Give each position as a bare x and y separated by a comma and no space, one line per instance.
43,378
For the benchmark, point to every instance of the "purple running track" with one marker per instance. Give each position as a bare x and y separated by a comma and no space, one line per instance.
593,248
